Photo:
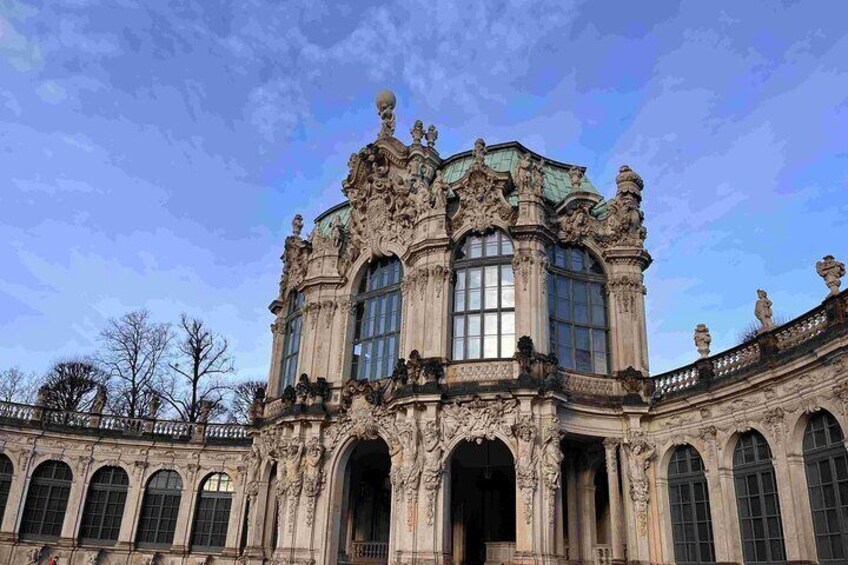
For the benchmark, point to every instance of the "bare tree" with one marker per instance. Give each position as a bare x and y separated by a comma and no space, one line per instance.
242,398
17,386
752,329
72,385
132,352
199,368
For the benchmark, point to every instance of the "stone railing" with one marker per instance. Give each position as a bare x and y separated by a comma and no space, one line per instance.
602,555
369,552
38,416
590,385
774,343
500,552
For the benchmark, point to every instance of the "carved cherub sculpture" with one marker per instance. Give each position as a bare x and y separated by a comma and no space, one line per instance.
703,340
832,272
763,312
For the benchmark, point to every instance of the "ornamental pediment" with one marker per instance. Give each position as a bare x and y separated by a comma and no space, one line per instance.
481,192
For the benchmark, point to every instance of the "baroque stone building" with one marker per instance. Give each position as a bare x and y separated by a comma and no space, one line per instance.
460,374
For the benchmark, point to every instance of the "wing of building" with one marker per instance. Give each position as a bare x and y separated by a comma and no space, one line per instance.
459,374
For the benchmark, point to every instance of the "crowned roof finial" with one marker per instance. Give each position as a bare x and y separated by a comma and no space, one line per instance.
385,102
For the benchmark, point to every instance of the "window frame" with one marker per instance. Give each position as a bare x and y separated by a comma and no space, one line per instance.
105,495
557,275
683,489
757,471
206,524
164,502
829,458
31,527
462,269
368,297
292,332
7,474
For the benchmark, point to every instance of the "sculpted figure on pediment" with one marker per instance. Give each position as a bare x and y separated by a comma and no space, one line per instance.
481,195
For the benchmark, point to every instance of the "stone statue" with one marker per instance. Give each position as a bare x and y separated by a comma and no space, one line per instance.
35,555
525,463
703,340
99,400
479,152
431,136
552,465
297,225
313,476
153,405
576,175
337,232
641,454
94,558
439,191
763,312
386,109
832,272
204,411
255,410
431,474
417,132
43,396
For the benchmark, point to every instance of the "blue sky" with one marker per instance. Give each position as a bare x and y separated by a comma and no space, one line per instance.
153,156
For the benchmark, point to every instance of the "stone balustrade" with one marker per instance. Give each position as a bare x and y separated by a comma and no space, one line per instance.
782,340
111,423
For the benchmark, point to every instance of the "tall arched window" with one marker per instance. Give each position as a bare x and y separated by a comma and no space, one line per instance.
377,329
6,471
827,480
104,506
291,340
484,298
691,522
757,502
578,310
213,513
159,510
46,502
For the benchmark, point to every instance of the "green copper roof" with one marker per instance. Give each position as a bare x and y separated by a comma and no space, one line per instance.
501,158
557,183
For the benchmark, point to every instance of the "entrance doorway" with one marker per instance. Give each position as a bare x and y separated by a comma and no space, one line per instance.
482,505
366,513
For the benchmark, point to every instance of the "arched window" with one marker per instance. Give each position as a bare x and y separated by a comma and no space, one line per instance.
104,506
6,471
213,513
756,501
827,480
484,298
46,502
578,310
691,522
377,329
291,340
159,510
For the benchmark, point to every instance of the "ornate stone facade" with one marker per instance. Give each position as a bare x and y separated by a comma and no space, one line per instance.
337,470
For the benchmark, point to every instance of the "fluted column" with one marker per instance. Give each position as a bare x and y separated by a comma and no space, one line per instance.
617,535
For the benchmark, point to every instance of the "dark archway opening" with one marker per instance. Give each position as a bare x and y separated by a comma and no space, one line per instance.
482,501
366,514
